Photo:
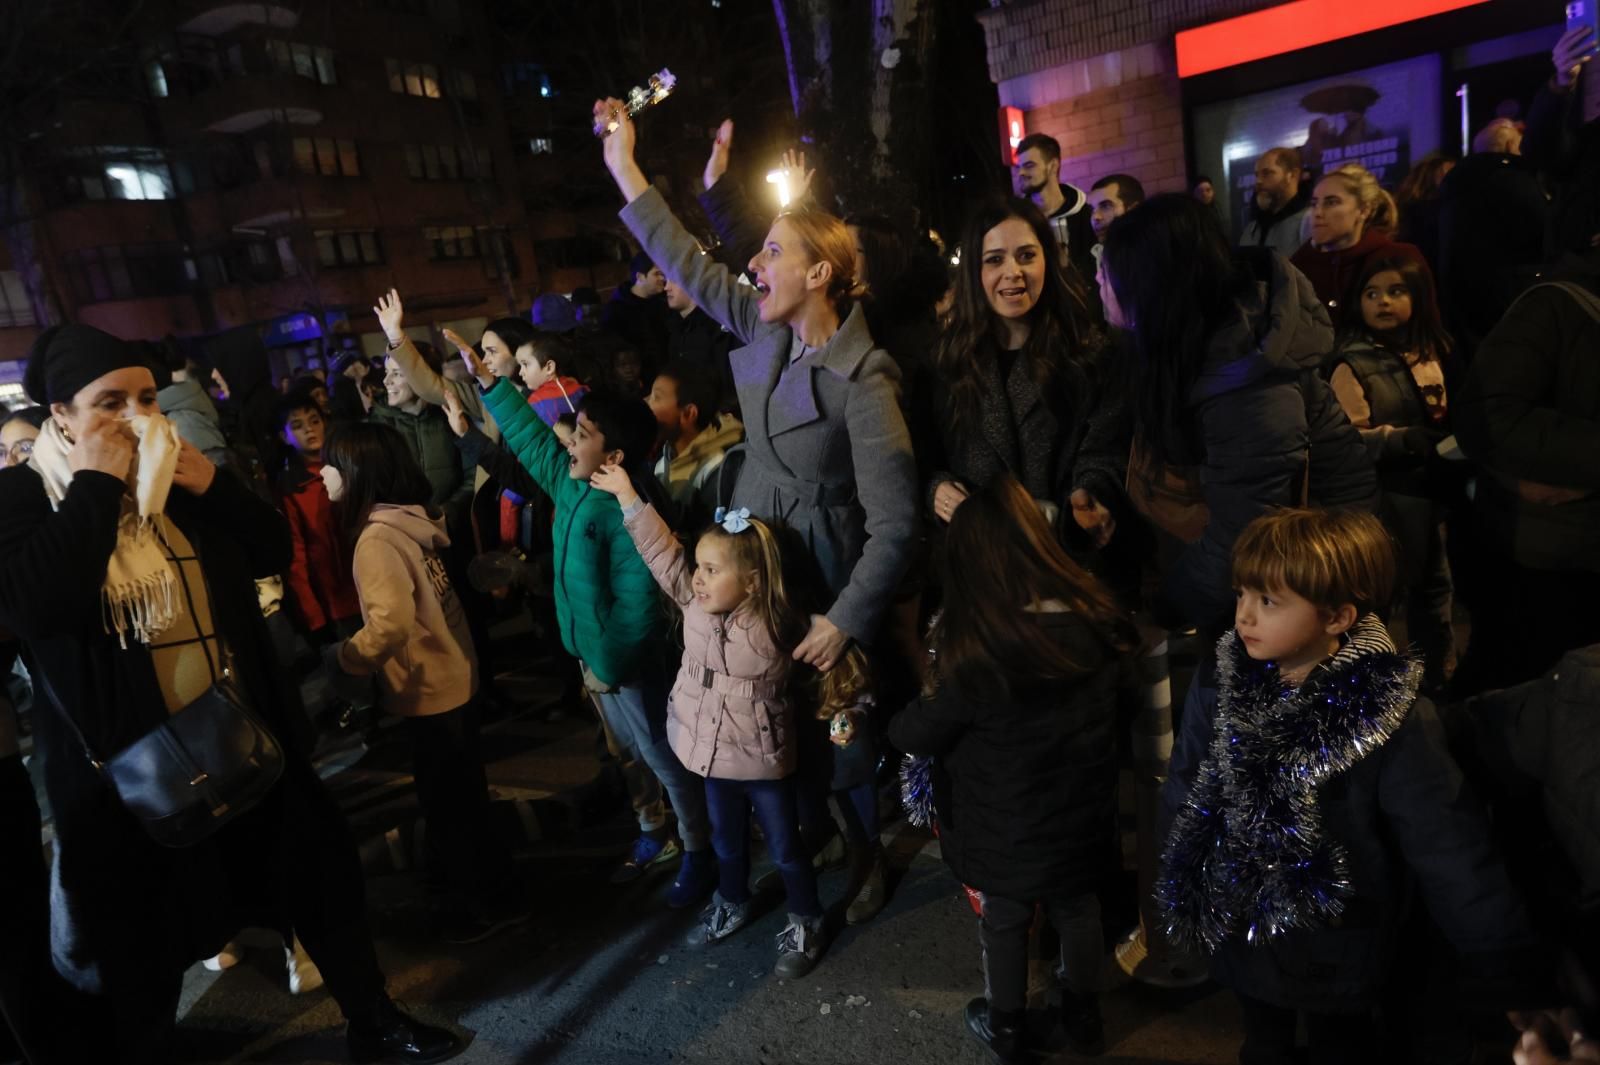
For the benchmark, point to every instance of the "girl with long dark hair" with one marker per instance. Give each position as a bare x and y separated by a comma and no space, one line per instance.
1021,718
1231,417
1019,374
414,639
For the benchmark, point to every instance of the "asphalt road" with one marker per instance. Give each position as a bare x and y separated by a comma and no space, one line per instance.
600,976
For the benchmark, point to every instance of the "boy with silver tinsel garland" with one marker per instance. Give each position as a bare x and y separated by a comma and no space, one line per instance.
1309,787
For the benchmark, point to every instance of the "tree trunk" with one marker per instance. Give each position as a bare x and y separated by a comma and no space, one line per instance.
857,76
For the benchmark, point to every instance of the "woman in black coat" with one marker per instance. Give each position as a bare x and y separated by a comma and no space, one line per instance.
1021,720
112,661
1019,377
1231,416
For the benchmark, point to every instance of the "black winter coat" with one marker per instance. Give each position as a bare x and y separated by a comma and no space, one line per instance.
1025,788
122,901
1401,813
1566,150
1266,427
1530,412
1049,447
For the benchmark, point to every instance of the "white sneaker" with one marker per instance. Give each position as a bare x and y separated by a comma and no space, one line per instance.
304,976
226,958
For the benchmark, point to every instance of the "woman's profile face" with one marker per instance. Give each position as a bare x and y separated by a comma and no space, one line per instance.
500,359
125,394
1012,268
1336,215
1108,297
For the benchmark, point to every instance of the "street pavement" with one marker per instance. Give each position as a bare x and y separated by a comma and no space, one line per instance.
600,975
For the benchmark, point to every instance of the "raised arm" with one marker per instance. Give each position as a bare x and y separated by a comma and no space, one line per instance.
653,540
531,440
429,385
669,245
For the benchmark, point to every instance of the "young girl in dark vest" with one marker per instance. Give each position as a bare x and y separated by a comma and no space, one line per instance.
1388,373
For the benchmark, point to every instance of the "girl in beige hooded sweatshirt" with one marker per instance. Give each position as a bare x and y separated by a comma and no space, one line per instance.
414,639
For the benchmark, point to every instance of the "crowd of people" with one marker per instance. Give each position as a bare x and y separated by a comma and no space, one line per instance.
790,512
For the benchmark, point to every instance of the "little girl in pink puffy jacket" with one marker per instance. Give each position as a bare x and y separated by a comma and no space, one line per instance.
729,720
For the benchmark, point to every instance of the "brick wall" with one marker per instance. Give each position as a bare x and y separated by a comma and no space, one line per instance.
1024,36
1134,128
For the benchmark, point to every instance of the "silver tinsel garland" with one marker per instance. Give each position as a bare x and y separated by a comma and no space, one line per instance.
1246,852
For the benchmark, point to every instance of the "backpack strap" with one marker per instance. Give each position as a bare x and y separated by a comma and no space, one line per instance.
1585,299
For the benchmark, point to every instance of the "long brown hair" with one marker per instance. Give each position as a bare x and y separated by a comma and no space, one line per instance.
1059,354
1002,557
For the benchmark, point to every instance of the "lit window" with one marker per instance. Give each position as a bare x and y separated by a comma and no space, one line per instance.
541,146
156,76
128,181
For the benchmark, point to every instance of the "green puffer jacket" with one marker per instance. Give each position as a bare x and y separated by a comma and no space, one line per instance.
606,600
433,445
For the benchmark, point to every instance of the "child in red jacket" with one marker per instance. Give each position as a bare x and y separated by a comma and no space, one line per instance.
319,573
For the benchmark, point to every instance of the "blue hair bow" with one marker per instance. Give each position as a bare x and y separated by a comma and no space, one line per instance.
733,521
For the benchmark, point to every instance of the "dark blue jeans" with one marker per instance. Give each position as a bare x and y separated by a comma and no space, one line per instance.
728,802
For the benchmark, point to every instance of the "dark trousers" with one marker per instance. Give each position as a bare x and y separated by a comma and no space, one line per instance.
728,804
1332,1038
1003,933
454,793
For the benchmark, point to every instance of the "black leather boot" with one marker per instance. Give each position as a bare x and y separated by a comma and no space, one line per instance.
391,1036
1080,1021
1000,1032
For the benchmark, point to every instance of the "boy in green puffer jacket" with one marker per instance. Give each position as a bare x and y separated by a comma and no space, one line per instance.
606,602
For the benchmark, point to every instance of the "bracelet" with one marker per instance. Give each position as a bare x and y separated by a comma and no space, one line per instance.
396,343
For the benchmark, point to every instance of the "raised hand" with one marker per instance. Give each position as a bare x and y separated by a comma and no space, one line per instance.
456,340
476,367
796,174
721,144
390,315
614,479
106,446
1575,48
455,414
617,147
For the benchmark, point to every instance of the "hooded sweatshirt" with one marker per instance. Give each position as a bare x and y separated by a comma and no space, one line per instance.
414,633
682,475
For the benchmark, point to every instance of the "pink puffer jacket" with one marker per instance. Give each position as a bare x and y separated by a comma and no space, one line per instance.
727,717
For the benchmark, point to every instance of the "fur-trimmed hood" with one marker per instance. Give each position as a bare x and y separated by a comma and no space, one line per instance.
1247,853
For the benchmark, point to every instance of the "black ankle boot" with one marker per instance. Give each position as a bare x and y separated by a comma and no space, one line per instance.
1080,1021
390,1036
1000,1032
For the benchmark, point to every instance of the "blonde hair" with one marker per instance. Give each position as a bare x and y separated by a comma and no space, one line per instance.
1377,206
756,551
826,240
845,685
1328,557
1500,135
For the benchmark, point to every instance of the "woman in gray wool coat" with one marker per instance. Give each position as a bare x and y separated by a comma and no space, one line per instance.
828,449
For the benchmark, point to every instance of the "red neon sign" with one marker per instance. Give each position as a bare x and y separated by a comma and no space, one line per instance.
1291,27
1012,129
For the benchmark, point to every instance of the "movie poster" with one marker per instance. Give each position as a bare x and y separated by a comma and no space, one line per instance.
1383,118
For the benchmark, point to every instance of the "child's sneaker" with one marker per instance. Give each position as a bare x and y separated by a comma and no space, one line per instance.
718,921
800,944
1176,972
224,959
697,878
1000,1033
874,890
304,976
646,852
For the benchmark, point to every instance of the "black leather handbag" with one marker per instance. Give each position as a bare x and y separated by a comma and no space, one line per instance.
193,773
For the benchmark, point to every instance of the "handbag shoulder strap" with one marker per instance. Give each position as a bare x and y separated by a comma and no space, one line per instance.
1582,296
61,710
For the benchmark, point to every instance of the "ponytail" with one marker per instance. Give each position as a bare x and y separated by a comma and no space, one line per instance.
1378,207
